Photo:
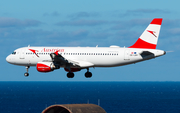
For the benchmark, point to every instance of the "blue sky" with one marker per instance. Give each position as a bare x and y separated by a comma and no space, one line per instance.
90,23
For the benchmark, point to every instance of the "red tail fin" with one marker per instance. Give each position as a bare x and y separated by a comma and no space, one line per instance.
149,38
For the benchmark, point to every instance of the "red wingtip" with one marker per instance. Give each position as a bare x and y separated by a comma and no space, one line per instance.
157,21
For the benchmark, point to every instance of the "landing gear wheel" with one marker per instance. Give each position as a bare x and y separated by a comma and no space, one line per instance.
88,74
70,75
26,74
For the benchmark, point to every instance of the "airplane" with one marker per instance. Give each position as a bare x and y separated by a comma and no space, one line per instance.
73,59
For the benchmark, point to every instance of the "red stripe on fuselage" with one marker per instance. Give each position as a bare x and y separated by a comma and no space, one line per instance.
143,44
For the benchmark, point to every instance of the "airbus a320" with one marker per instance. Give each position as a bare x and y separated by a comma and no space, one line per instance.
73,59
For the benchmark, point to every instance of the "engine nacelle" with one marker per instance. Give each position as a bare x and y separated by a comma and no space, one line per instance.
72,69
45,66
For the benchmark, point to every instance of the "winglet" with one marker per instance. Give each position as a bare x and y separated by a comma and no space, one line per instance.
149,38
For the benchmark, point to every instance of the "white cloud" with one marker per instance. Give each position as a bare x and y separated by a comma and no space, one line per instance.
53,14
80,33
141,12
83,15
13,22
81,23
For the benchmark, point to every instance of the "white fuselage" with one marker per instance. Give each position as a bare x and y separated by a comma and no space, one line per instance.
73,59
95,56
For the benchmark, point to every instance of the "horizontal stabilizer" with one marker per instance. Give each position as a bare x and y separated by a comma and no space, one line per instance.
147,54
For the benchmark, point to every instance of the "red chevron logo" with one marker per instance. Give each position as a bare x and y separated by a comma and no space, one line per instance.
34,51
152,32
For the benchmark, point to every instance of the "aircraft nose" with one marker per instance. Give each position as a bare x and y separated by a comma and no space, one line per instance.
8,59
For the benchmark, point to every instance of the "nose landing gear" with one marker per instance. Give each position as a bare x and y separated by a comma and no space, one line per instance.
27,74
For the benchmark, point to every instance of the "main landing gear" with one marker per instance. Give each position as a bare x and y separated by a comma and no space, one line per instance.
87,74
27,74
70,75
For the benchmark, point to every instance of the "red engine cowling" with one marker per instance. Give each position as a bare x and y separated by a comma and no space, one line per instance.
45,66
73,69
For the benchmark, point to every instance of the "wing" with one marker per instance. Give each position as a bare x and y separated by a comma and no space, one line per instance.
62,61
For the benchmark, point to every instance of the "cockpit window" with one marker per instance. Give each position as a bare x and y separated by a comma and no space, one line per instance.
14,53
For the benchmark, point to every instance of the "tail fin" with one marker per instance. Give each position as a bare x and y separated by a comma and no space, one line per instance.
149,38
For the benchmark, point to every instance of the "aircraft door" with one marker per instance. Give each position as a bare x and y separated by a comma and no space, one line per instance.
22,52
126,54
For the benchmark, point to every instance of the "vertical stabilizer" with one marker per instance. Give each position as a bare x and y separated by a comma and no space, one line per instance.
149,38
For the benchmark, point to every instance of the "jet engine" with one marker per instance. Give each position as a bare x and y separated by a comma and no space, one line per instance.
45,66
